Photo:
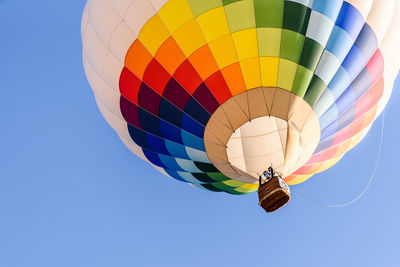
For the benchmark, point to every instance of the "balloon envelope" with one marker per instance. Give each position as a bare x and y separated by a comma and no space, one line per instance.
213,92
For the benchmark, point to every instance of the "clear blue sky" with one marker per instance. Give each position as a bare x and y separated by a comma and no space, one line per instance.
68,194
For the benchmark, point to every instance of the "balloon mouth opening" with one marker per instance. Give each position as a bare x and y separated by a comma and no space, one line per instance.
259,128
259,144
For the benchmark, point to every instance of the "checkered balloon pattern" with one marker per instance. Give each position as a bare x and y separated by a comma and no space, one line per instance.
160,69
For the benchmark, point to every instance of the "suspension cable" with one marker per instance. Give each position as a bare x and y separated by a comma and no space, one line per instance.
365,188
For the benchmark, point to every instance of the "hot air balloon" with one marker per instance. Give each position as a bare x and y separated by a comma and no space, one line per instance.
228,95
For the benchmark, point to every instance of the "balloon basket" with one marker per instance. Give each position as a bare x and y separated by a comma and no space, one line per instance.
273,194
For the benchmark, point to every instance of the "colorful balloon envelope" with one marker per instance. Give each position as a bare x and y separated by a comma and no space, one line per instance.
213,92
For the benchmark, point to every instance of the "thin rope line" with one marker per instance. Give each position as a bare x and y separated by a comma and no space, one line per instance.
365,188
244,112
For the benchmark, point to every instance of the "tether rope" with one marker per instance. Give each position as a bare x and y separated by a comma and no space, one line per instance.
365,188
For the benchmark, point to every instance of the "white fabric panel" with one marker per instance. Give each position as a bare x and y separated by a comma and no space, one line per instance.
112,71
163,172
235,146
364,6
283,137
365,132
280,124
138,14
380,16
96,8
326,100
390,51
121,41
293,151
85,20
122,6
327,66
197,155
108,96
94,49
260,126
319,28
106,22
239,163
158,4
187,165
262,145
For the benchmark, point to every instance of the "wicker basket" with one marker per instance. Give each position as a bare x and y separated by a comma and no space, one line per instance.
274,194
